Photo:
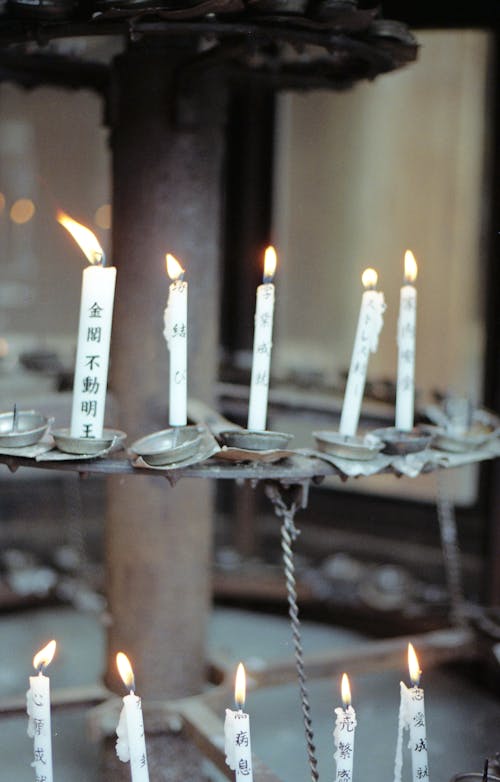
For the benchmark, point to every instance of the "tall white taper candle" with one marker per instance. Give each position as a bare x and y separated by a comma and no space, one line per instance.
405,389
38,708
343,735
237,744
131,742
94,335
412,718
262,345
175,333
370,323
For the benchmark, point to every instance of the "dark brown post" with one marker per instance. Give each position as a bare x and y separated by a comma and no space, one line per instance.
167,169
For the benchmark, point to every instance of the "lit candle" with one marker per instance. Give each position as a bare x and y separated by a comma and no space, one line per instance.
405,390
38,708
370,323
131,743
237,733
343,735
175,333
94,334
412,718
262,345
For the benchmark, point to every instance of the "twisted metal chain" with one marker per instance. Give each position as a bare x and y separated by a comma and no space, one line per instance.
289,533
451,552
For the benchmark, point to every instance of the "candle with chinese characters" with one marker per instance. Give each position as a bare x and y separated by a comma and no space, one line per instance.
237,733
412,718
405,389
175,333
370,323
262,345
94,334
38,708
131,743
343,735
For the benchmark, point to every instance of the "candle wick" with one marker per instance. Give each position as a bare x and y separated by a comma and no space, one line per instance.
485,772
99,258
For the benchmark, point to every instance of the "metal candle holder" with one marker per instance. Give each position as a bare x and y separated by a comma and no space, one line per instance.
22,428
348,446
401,443
87,446
169,446
247,440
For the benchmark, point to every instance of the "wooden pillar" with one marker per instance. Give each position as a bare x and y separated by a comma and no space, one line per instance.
167,161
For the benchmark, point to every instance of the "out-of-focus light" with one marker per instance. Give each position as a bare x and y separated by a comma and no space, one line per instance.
22,211
102,217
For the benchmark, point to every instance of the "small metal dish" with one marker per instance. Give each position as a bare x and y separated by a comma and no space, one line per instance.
400,443
347,446
29,428
169,445
460,442
254,441
83,446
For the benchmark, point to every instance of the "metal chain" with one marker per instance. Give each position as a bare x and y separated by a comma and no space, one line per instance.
289,533
451,551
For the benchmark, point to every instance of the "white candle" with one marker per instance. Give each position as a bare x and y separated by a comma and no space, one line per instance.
370,323
237,733
94,335
412,718
131,742
343,735
262,345
175,333
38,708
405,390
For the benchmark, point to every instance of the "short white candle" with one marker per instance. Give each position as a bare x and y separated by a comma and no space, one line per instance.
412,718
237,745
405,389
94,334
262,345
131,742
343,735
175,333
370,323
38,708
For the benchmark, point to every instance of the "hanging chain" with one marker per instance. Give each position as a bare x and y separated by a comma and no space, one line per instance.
289,533
451,551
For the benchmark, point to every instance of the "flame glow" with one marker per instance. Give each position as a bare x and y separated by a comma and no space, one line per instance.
240,686
174,269
44,657
369,278
125,670
346,691
270,261
411,267
84,237
413,666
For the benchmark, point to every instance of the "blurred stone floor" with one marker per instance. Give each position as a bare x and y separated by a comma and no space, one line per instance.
463,718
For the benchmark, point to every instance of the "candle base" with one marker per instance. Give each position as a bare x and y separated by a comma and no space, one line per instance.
348,446
111,439
169,445
248,440
400,443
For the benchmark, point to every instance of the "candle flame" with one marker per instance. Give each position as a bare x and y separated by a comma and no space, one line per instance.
369,278
346,691
411,267
413,666
174,269
240,686
44,657
125,671
270,261
84,237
